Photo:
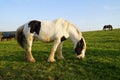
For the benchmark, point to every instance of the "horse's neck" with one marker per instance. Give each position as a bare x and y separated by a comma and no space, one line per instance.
74,34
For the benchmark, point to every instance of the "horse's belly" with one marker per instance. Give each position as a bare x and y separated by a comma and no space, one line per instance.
45,37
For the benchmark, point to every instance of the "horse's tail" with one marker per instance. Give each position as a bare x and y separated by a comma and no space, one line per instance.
20,37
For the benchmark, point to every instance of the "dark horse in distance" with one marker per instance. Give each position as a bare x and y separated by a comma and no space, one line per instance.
7,35
109,27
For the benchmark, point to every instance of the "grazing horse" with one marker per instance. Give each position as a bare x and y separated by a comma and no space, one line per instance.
108,26
7,35
50,31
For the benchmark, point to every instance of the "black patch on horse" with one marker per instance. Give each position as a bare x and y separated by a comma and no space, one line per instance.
34,26
79,47
63,38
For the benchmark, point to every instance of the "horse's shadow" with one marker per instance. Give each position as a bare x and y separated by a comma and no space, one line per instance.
13,56
19,56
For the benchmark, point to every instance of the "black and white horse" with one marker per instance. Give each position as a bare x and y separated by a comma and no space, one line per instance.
7,35
55,31
109,27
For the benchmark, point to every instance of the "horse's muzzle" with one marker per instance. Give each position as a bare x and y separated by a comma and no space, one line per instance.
81,56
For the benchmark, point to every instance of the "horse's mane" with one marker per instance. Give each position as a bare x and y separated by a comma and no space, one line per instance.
61,20
76,28
56,21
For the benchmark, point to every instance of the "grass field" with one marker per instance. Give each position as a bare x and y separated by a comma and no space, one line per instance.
102,61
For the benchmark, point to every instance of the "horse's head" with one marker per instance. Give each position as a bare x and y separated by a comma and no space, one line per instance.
80,49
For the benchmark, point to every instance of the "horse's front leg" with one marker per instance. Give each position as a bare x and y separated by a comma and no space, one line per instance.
29,57
52,54
59,55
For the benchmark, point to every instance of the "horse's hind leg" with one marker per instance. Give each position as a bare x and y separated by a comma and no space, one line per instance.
28,49
7,38
1,39
59,55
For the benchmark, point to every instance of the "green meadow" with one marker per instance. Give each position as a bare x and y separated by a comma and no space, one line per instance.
102,61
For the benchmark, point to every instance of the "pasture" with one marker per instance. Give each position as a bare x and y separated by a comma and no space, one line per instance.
102,61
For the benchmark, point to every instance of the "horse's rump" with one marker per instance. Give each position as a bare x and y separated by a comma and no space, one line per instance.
20,36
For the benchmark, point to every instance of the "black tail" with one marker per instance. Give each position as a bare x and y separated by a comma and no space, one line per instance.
20,37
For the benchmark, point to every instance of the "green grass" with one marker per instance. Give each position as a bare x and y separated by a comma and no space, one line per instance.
102,61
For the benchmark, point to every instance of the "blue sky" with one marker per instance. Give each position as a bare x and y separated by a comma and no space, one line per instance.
86,14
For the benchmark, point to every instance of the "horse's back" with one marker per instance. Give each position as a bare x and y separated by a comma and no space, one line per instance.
50,31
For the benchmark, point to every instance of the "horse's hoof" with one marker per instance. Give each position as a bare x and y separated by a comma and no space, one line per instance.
31,60
51,60
60,58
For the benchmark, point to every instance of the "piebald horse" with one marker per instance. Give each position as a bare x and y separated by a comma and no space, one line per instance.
50,31
109,27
